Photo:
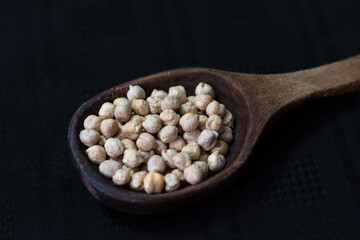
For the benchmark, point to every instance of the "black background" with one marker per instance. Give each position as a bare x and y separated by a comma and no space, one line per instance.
301,183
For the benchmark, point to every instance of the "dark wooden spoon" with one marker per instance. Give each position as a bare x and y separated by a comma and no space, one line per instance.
256,101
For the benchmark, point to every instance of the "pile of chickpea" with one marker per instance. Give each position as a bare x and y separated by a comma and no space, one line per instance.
160,142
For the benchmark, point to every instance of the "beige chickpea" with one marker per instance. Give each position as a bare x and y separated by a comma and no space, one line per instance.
135,92
109,167
160,146
191,99
92,122
154,104
226,135
156,163
140,107
196,173
203,157
146,142
216,161
132,158
152,123
109,127
189,122
187,107
178,144
123,110
170,102
207,139
146,155
137,119
178,92
168,155
182,160
114,147
132,171
154,182
102,140
228,119
204,88
215,108
222,147
172,182
159,93
214,122
137,181
202,122
191,136
121,177
202,101
169,117
89,137
107,110
180,175
129,144
96,154
193,149
168,134
132,130
117,100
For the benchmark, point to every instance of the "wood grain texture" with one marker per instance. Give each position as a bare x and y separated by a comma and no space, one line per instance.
256,101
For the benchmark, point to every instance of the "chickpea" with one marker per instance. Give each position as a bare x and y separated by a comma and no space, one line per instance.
119,160
202,101
154,182
228,119
222,147
137,119
102,140
92,122
207,139
191,99
137,181
172,182
132,158
178,144
226,135
132,130
140,107
189,122
123,110
169,117
121,177
202,122
120,135
114,147
214,122
154,104
196,173
152,123
180,175
168,134
187,107
109,167
159,93
96,154
146,142
170,102
117,100
156,163
215,108
178,92
132,171
168,155
146,155
109,127
182,160
129,144
135,92
160,146
216,161
193,149
203,157
107,110
89,137
203,88
191,136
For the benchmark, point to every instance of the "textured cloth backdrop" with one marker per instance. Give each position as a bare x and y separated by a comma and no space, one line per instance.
301,183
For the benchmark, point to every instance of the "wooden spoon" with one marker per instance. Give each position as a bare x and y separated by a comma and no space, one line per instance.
256,101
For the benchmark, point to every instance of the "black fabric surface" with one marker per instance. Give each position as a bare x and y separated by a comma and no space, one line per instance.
302,182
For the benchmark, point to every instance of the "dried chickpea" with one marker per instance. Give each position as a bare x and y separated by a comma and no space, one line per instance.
226,135
214,122
107,110
207,139
191,99
92,122
193,149
191,136
228,119
102,140
140,107
152,123
202,101
216,161
160,146
159,93
178,144
123,110
116,101
132,158
170,102
168,134
178,92
132,171
154,182
215,108
137,119
204,88
172,182
89,137
121,177
182,160
189,122
156,163
169,117
146,142
203,157
96,154
137,181
187,107
132,130
168,155
196,173
154,104
129,144
180,175
135,92
109,167
114,147
202,122
109,127
146,155
222,147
